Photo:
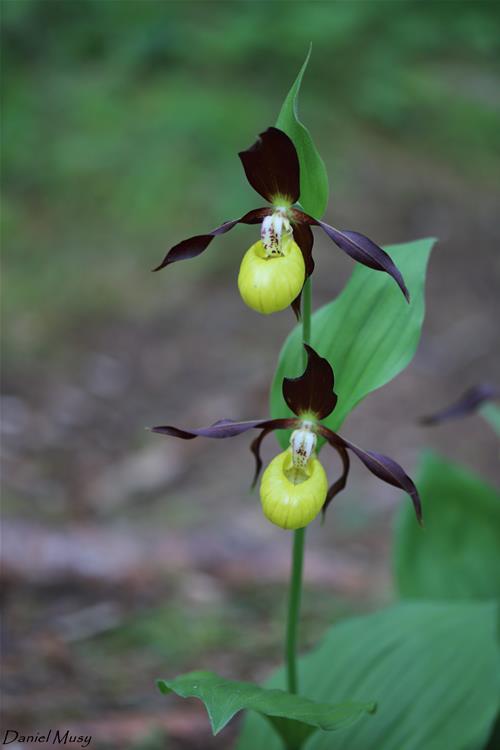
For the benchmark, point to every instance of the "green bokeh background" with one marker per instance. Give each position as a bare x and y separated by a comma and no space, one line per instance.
122,119
121,124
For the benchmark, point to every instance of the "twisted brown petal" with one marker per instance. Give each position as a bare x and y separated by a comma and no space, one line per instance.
381,466
282,424
224,428
297,306
360,248
341,482
304,238
196,245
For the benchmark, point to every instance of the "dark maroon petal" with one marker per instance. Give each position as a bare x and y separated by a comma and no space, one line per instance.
194,246
224,428
283,424
255,448
360,248
389,471
297,306
468,403
303,236
383,467
365,251
313,390
272,166
341,482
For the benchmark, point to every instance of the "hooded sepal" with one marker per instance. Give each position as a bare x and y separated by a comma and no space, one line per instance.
312,392
467,404
272,167
194,246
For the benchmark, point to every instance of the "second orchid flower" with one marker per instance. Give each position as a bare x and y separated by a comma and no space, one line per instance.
294,487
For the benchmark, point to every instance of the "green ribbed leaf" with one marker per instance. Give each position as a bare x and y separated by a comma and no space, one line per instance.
433,668
457,555
293,717
368,333
313,176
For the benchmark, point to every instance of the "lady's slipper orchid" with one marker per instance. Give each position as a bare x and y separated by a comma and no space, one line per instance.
294,488
274,269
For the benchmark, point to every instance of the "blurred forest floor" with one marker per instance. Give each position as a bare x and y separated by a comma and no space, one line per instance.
127,556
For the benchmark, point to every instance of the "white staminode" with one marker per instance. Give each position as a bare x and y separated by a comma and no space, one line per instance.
303,444
272,231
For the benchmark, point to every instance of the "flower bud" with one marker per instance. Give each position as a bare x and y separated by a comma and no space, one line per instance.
270,282
292,496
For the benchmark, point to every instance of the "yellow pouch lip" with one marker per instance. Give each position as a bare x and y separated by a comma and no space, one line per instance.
270,284
289,505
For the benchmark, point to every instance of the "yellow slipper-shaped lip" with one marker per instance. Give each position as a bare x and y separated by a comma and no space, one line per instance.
270,284
288,504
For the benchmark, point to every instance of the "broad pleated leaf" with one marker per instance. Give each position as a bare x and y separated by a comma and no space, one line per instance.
457,555
313,177
368,333
295,718
433,668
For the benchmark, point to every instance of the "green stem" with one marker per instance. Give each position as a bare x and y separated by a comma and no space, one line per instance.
295,587
295,593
